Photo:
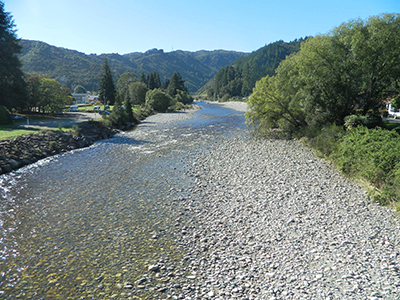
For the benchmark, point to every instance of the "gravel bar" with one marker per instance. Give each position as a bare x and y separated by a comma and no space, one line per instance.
267,219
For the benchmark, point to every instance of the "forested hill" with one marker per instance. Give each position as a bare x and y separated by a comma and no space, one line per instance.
239,78
73,68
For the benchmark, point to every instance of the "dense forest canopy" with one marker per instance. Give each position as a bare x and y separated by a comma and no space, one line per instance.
239,78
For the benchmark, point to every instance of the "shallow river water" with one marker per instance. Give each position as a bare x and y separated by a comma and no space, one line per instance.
87,224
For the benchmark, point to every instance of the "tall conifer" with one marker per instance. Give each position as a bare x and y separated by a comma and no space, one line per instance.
107,90
12,84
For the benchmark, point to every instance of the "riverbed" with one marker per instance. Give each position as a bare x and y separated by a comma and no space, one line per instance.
88,224
191,206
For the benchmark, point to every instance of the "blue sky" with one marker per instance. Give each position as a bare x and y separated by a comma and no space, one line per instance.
124,26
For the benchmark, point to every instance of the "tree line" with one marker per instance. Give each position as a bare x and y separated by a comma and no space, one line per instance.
37,92
146,92
351,70
239,78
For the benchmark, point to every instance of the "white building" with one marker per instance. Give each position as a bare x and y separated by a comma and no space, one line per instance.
80,98
392,111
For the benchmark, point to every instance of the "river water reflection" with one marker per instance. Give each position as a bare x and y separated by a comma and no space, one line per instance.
83,224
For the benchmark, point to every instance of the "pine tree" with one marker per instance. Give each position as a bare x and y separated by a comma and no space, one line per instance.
143,78
12,84
151,81
176,84
157,80
107,90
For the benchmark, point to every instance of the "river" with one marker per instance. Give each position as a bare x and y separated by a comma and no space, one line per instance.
88,224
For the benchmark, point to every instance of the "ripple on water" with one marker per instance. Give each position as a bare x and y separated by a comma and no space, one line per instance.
82,223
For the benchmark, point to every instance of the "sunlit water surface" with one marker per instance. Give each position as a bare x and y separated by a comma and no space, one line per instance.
81,224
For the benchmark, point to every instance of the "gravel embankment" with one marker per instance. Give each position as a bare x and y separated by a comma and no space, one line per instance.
269,220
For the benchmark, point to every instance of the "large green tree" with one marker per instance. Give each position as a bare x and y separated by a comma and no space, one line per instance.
53,96
107,92
158,100
12,84
123,85
176,84
137,93
351,69
33,89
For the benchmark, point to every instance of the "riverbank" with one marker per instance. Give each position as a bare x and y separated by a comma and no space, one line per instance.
267,219
26,149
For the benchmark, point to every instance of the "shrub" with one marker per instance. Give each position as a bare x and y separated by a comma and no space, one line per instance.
373,155
326,140
158,100
52,145
5,116
183,97
353,121
143,112
178,106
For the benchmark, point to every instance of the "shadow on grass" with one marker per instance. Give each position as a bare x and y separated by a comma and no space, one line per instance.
14,130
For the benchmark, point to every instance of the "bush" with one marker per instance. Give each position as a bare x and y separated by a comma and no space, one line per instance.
373,155
178,106
5,116
143,112
353,121
158,100
183,97
326,140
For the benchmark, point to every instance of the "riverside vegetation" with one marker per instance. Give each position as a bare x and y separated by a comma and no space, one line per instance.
331,95
327,86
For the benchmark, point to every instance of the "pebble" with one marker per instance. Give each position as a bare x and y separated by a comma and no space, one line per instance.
266,219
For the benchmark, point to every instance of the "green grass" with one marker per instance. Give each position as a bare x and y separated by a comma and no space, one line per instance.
13,130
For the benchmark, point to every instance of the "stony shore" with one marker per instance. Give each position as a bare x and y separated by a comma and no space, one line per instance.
267,219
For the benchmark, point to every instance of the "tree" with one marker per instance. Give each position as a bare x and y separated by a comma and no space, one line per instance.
143,77
53,97
176,84
137,93
165,84
158,100
271,106
12,84
33,89
123,84
107,91
5,116
183,97
353,68
153,81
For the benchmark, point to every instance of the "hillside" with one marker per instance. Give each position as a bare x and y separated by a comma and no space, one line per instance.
239,78
71,67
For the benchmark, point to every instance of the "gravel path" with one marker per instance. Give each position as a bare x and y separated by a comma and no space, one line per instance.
269,220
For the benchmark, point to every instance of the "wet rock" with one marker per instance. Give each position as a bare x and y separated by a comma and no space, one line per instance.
154,268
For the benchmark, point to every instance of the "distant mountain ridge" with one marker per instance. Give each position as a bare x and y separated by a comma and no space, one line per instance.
73,68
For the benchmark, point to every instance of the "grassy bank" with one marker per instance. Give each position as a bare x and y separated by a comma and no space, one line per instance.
370,156
14,130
